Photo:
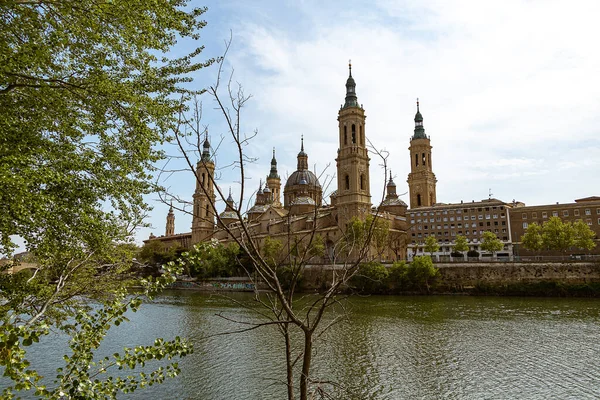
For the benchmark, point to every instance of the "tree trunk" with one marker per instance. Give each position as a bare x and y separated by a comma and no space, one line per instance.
306,365
288,360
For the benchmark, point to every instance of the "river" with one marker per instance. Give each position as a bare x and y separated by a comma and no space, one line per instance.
450,347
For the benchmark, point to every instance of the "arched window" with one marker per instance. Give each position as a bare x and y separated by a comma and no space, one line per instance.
347,182
203,178
423,158
416,160
362,182
206,211
418,199
429,159
345,136
362,135
353,134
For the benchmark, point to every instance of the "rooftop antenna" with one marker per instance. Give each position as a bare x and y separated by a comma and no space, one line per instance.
490,194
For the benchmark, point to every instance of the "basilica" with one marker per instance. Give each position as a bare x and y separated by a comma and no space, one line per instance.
303,208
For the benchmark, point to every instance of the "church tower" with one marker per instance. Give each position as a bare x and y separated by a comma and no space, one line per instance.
203,221
353,194
421,179
274,182
170,229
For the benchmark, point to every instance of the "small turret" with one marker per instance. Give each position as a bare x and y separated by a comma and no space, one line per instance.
170,228
302,157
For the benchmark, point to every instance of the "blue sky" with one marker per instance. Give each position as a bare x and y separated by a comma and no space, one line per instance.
509,92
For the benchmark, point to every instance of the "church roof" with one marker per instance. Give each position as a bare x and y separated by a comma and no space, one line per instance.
298,176
393,202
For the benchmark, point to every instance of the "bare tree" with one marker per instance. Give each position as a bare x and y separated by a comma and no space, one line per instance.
299,319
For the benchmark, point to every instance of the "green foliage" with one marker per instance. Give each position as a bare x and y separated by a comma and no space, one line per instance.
461,244
371,229
87,92
583,236
371,277
156,254
532,239
84,99
83,376
431,244
491,243
556,234
211,259
272,251
418,276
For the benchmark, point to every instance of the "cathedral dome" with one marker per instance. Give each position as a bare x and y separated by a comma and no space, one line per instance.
297,177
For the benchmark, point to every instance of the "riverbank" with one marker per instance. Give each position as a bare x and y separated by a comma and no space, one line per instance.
565,279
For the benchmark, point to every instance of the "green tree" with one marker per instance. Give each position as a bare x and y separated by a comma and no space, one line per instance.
431,245
87,92
491,243
584,236
272,250
461,244
533,240
371,277
420,275
558,235
211,259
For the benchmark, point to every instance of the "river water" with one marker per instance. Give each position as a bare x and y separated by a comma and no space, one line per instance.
450,347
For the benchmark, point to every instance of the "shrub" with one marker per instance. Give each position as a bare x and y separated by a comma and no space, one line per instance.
372,277
473,253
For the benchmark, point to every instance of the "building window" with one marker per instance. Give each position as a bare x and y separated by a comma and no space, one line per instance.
598,211
576,213
525,225
495,216
206,215
524,215
555,213
589,221
416,160
348,185
480,216
487,216
353,134
544,214
565,213
345,135
588,211
362,182
423,158
533,215
362,136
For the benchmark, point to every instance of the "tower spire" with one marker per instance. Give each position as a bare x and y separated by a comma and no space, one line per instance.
351,99
273,173
419,129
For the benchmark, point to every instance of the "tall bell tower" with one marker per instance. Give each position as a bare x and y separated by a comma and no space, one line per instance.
421,179
203,221
353,194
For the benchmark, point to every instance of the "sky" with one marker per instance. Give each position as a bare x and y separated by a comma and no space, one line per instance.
509,92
